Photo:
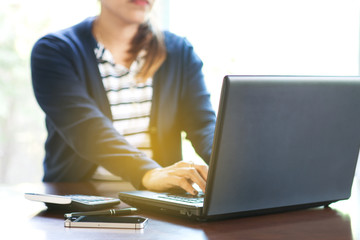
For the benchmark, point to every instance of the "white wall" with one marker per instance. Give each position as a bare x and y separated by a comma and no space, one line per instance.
309,37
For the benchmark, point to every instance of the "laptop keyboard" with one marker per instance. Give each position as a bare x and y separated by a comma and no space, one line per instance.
187,198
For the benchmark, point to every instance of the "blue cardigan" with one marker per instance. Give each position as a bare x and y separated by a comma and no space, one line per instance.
81,136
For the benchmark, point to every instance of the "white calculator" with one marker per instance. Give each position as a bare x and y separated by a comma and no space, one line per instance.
74,202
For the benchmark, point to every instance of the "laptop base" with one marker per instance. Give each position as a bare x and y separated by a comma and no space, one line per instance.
196,214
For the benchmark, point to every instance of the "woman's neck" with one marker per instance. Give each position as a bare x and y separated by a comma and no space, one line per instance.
116,36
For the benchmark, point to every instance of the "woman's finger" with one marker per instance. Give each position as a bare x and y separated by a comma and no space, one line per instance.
203,170
185,184
192,175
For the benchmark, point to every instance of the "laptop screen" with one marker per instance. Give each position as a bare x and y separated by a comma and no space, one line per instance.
283,141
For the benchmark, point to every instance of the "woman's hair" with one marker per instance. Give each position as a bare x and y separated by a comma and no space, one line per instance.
150,39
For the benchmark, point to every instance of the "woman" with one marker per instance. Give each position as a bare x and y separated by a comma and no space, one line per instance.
109,84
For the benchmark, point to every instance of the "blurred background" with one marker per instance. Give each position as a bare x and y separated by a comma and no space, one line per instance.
309,37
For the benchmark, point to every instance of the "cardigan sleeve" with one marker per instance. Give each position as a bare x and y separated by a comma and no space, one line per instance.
61,89
198,116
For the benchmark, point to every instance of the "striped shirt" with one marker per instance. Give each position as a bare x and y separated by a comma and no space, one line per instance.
130,101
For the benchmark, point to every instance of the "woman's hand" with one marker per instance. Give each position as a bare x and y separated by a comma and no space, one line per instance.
181,174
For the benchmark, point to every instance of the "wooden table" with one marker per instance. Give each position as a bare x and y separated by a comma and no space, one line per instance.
24,219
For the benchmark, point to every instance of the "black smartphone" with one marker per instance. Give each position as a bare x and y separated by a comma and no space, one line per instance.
127,222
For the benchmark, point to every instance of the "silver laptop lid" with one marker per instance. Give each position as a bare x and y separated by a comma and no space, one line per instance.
283,141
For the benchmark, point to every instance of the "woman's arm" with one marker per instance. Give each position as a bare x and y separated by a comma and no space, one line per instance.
61,89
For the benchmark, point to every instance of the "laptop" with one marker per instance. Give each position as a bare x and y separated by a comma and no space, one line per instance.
281,143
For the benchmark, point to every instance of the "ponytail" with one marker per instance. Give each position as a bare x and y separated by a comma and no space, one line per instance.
151,40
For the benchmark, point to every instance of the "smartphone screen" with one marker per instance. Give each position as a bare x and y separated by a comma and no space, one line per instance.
107,222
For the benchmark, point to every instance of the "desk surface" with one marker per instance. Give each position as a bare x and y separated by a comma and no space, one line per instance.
23,219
